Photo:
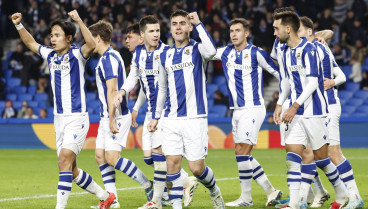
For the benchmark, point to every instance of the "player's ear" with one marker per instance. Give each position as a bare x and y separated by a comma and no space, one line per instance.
69,39
190,27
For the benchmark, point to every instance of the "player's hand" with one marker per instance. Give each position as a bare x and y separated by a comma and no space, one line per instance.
322,41
152,126
328,83
290,113
113,125
74,15
134,117
193,17
118,98
16,18
277,114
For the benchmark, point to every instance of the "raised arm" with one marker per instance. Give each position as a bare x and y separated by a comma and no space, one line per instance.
325,34
26,37
219,53
90,45
265,61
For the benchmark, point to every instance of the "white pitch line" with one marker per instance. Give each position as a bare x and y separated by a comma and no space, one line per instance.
122,189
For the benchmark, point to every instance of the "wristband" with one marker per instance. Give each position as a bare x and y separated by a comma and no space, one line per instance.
19,26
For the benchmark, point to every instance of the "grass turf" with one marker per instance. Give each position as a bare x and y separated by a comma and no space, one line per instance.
28,178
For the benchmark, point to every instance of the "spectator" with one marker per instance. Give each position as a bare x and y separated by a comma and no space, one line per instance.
30,114
359,7
357,32
10,111
23,111
348,23
220,99
357,51
42,86
16,61
356,74
340,9
364,82
326,20
43,113
272,105
340,54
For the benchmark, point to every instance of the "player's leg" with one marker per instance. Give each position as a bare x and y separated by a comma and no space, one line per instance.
195,134
316,129
147,142
308,172
174,180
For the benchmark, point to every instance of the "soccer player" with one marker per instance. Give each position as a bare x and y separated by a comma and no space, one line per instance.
306,117
333,76
145,67
185,127
242,64
67,68
115,122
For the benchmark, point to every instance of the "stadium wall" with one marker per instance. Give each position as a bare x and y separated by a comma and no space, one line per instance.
39,134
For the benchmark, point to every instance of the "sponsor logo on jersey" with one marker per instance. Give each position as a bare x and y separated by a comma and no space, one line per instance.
148,72
296,68
60,67
180,66
239,67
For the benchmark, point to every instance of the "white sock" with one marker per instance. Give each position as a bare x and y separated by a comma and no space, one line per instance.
293,163
159,185
260,177
308,173
347,176
175,190
318,186
245,176
64,188
130,169
85,181
207,178
108,178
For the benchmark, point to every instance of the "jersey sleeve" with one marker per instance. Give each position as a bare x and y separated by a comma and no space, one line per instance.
110,66
265,61
207,47
79,55
162,91
219,53
133,75
44,51
274,50
310,61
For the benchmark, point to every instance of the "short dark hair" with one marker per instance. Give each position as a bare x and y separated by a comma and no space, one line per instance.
177,13
307,22
68,27
103,29
288,18
242,21
133,28
150,19
283,9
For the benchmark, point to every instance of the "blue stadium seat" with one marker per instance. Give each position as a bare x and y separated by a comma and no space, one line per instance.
50,110
344,94
41,97
17,105
32,89
210,103
219,109
25,97
358,114
213,115
8,74
224,90
347,70
131,104
36,111
355,102
219,80
362,109
361,94
2,104
97,111
143,108
352,86
210,90
13,82
90,111
42,104
12,97
91,96
95,104
365,67
348,109
33,104
344,115
342,101
8,55
20,90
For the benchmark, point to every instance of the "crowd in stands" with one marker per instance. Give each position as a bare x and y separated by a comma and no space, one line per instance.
346,18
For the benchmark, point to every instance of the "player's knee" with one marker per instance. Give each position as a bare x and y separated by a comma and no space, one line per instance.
111,158
243,149
64,163
100,159
197,170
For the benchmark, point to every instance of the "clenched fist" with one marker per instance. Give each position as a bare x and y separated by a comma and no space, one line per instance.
74,15
16,18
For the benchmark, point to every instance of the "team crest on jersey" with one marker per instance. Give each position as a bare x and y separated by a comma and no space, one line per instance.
246,56
186,52
157,57
66,58
298,55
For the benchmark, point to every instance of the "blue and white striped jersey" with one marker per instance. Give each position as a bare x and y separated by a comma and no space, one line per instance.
300,63
243,73
67,73
328,63
145,66
110,65
183,80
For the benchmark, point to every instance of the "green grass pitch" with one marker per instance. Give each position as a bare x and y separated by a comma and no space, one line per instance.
28,178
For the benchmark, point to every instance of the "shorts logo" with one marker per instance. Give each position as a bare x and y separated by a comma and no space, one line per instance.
247,133
205,149
324,137
326,124
82,126
113,137
169,55
62,193
75,136
119,124
253,120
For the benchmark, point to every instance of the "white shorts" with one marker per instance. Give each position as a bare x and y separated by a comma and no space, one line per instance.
151,139
333,119
313,131
185,137
246,124
285,106
113,142
71,132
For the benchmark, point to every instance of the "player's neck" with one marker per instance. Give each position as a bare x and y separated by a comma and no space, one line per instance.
181,44
103,49
150,48
61,52
311,38
241,46
293,41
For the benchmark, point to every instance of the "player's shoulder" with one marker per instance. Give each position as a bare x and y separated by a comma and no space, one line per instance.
309,47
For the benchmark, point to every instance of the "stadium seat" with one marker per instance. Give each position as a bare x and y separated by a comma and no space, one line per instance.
131,104
25,97
20,90
41,97
344,115
219,109
8,74
359,114
17,105
13,82
12,97
91,96
97,111
143,108
8,55
365,67
50,110
348,109
224,90
36,111
361,94
362,109
95,104
32,89
210,103
219,80
90,111
2,104
355,102
213,115
33,104
344,94
352,86
42,104
210,90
